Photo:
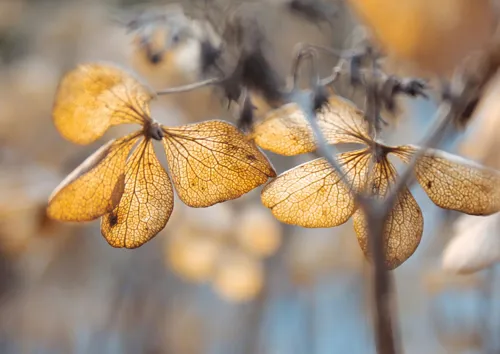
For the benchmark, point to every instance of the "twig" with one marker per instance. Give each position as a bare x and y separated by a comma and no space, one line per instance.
444,116
373,209
336,71
464,90
448,111
383,324
340,53
190,87
302,53
382,286
304,100
383,320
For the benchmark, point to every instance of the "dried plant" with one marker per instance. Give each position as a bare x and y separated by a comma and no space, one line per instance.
209,162
212,161
314,195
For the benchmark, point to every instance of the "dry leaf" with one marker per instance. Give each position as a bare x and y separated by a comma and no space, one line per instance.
313,195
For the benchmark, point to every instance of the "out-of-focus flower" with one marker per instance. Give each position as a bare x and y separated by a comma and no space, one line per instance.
258,232
224,247
239,276
170,49
192,256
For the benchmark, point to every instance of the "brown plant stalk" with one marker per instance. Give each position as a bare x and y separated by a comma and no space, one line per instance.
376,211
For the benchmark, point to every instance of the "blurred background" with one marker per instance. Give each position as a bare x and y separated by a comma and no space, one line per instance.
225,279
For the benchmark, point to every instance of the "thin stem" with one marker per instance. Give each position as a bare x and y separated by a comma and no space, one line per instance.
461,95
304,100
302,53
444,116
376,211
190,87
382,285
340,53
376,219
336,71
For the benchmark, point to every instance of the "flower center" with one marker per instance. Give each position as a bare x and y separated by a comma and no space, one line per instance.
154,131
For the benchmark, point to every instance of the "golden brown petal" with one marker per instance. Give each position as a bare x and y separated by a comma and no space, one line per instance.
313,194
285,130
94,97
95,187
146,204
212,161
404,225
455,183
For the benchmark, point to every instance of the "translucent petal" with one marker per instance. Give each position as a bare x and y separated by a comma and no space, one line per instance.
146,204
404,225
211,162
95,187
285,130
313,194
94,97
455,183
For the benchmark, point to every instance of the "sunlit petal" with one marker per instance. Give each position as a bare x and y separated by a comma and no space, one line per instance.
285,130
313,194
404,225
453,182
211,162
95,187
146,204
94,97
